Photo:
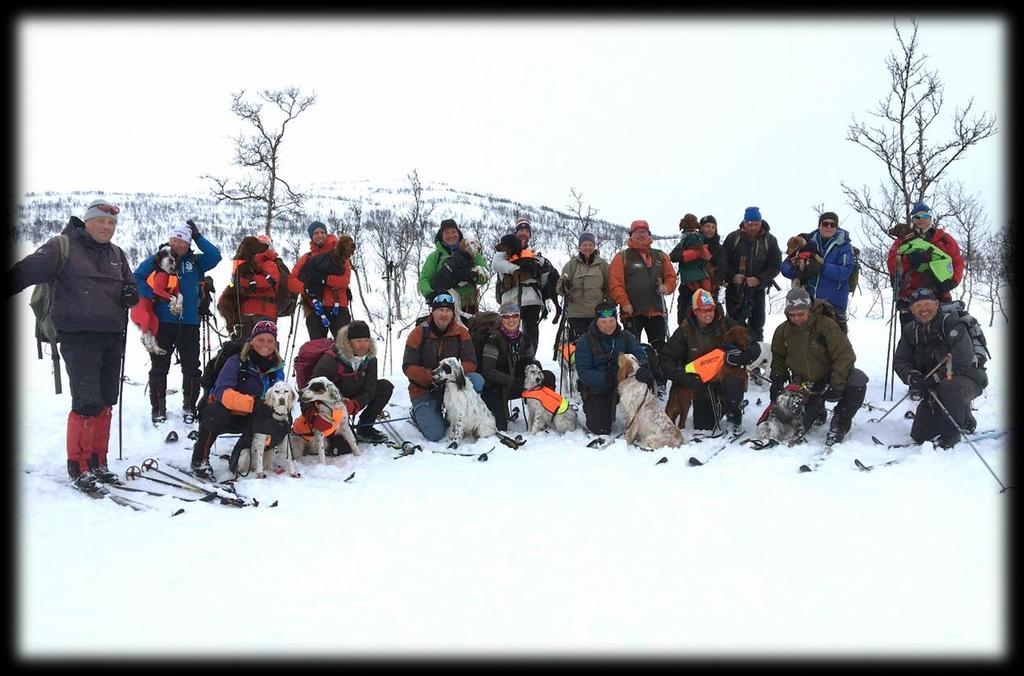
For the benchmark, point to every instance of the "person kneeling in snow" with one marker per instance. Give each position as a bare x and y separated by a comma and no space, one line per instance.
235,404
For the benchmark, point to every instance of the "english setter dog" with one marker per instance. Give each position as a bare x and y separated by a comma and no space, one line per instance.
783,419
680,398
562,419
327,411
281,399
465,411
646,423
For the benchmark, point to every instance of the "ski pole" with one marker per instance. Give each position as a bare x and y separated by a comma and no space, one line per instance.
120,392
927,375
964,436
152,464
135,472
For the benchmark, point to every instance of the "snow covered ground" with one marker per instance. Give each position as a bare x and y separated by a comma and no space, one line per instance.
552,549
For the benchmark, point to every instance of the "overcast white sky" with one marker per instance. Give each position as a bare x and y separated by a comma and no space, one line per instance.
648,118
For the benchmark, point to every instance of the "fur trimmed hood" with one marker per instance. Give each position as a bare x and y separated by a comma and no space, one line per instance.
345,347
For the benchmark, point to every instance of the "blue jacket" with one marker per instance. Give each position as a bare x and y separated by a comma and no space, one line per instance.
245,378
190,271
833,282
597,357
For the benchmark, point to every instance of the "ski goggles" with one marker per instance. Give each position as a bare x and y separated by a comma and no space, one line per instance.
107,208
605,313
922,216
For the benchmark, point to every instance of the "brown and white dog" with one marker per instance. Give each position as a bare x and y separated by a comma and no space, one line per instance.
646,424
280,397
324,401
681,398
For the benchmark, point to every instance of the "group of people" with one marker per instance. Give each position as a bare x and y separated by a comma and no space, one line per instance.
94,286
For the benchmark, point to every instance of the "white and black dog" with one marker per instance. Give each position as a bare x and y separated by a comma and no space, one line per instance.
280,397
784,418
563,420
328,404
464,409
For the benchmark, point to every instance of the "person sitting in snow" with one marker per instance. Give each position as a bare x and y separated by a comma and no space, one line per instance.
931,338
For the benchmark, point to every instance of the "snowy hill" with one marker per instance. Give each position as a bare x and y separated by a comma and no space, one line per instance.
550,549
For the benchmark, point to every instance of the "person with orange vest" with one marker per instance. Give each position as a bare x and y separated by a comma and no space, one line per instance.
326,277
255,277
320,241
524,277
179,324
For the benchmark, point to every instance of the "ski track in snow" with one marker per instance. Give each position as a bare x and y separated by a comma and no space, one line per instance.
551,549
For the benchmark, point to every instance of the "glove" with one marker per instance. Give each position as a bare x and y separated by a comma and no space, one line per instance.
129,295
918,256
778,384
318,307
261,410
195,229
271,281
644,375
917,381
690,381
252,284
834,392
352,406
335,310
348,294
748,355
735,358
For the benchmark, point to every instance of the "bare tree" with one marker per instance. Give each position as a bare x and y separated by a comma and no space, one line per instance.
582,215
394,240
967,221
416,221
260,152
992,270
902,138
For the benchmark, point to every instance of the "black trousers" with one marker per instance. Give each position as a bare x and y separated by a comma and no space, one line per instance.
846,407
316,328
714,400
931,421
381,396
600,411
217,420
184,338
92,360
753,314
656,328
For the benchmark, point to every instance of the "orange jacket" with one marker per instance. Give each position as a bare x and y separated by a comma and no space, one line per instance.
617,277
164,285
295,284
262,300
310,421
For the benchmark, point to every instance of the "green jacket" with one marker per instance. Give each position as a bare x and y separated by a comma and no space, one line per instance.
941,264
433,263
584,285
813,352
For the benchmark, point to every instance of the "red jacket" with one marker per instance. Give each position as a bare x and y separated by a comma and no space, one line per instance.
263,299
295,284
910,279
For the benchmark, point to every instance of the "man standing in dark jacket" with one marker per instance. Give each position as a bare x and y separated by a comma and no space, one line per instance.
93,288
709,228
178,330
752,258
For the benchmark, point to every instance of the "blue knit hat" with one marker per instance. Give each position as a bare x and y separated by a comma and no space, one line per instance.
918,207
588,237
313,227
752,214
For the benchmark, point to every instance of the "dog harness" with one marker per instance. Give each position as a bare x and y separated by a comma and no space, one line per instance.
172,282
311,421
552,401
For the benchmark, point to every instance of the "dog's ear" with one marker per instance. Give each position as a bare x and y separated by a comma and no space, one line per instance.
460,379
794,244
625,368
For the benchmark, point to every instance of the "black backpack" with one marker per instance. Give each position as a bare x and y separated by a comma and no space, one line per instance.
978,341
855,275
216,363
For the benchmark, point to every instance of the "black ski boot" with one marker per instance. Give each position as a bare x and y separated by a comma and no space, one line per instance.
835,435
158,398
83,481
369,434
190,395
101,473
970,424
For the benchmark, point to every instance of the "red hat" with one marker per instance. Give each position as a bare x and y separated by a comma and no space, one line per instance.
638,225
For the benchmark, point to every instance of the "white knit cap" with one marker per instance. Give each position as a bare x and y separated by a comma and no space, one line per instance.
181,232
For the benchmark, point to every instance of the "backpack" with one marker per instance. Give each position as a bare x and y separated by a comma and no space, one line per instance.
42,299
309,354
978,341
207,292
855,275
216,363
285,299
483,324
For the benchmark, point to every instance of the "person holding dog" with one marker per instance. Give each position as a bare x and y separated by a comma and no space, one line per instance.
93,288
694,260
179,326
320,241
464,279
752,258
236,405
597,365
709,229
525,278
352,366
326,279
584,283
822,262
702,331
252,294
809,348
437,338
931,338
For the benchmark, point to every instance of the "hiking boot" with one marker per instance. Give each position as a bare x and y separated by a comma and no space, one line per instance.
85,482
158,398
202,470
835,435
189,395
734,418
822,417
945,442
970,424
370,435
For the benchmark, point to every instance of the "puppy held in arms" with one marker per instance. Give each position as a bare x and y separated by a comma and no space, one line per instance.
164,285
547,408
280,397
465,411
323,414
646,424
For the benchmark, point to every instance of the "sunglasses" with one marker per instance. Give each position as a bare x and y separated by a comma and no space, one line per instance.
510,316
264,324
444,298
605,314
828,224
922,216
107,209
